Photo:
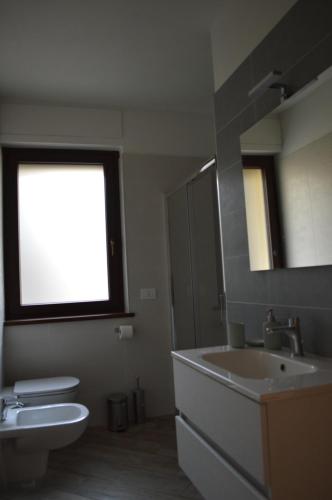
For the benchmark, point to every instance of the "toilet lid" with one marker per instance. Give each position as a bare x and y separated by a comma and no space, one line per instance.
45,385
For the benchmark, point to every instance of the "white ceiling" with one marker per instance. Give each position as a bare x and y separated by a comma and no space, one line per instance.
145,54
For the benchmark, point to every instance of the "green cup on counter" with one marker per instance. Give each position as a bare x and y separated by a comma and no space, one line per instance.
236,334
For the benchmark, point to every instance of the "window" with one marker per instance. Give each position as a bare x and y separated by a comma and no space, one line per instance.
257,219
62,233
262,215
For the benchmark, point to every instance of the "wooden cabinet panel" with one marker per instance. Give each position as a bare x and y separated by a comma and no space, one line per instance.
299,447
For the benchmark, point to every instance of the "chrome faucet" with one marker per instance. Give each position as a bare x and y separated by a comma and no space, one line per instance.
293,332
12,402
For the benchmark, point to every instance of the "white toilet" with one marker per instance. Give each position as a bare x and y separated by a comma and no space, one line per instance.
46,391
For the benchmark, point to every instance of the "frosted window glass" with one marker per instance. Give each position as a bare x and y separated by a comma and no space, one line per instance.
62,234
257,220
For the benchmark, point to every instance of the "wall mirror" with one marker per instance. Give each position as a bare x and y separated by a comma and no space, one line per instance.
287,176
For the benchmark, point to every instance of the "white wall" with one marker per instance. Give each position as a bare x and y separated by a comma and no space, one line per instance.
297,130
237,30
162,133
305,177
164,156
264,136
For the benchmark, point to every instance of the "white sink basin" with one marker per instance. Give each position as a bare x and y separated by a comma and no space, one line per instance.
258,364
258,373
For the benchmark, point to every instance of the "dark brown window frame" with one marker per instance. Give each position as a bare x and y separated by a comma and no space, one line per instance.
14,311
266,164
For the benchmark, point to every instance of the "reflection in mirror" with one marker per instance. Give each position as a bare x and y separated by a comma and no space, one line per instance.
287,175
261,211
257,218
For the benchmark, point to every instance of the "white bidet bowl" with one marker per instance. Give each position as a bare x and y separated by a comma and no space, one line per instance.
29,433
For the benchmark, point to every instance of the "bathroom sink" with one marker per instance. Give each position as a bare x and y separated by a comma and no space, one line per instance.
256,372
257,364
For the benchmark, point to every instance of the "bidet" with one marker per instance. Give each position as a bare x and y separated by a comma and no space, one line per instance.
27,435
5,403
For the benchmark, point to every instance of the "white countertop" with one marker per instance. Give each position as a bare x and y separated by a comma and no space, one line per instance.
260,389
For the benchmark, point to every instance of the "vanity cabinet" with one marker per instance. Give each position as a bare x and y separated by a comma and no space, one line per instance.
210,472
235,448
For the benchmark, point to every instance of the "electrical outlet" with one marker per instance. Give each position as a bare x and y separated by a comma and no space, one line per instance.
148,293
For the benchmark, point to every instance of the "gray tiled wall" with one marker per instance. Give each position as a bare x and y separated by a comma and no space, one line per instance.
301,47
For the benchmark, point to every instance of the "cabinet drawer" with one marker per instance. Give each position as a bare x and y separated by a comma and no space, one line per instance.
229,419
208,471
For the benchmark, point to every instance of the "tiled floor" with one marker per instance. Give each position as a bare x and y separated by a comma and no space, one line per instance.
139,464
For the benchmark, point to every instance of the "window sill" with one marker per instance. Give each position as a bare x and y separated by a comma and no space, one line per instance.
58,319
